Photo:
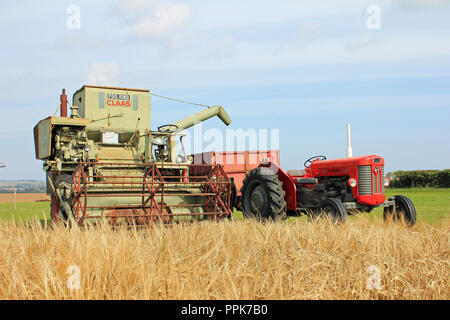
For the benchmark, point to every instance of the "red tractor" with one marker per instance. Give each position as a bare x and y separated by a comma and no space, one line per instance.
335,187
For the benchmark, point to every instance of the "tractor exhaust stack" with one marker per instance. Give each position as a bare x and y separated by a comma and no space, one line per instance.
349,142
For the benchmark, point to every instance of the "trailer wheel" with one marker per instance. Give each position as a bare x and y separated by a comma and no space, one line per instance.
263,195
333,208
404,210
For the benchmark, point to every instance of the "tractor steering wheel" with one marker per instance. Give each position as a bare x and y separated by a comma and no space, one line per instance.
168,128
310,160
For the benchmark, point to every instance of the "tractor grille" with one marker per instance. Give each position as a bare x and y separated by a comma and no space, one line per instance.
365,180
369,182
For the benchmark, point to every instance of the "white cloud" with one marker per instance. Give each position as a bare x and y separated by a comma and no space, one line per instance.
166,19
222,47
102,73
365,41
420,4
307,32
249,13
184,41
135,5
398,47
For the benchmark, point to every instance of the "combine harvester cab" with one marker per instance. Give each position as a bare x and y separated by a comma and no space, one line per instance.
104,162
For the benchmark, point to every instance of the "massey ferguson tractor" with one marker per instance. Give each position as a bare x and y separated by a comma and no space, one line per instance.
104,162
335,188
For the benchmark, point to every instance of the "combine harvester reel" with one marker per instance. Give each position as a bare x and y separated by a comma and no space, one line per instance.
148,193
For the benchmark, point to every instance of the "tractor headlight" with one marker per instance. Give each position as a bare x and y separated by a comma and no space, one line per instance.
352,182
387,182
87,148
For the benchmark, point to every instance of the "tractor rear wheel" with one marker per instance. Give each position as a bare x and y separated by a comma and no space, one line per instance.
263,195
333,208
404,210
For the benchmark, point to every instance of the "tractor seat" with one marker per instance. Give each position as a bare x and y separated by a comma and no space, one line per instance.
306,181
296,173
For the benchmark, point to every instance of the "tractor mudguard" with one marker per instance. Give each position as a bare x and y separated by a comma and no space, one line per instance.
288,185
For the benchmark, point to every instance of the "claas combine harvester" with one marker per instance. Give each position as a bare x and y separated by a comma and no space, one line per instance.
104,162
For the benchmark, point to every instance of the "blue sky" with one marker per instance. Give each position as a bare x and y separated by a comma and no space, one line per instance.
302,67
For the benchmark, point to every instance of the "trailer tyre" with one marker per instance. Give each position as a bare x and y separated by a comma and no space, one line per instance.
333,208
263,195
404,210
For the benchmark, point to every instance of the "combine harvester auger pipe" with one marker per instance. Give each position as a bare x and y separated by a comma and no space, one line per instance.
202,116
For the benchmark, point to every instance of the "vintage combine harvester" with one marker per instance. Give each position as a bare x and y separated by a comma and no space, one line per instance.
104,162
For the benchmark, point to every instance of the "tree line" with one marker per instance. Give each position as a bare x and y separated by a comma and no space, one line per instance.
420,178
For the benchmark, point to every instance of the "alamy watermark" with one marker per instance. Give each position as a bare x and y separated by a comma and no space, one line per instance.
374,280
214,140
73,21
373,22
74,279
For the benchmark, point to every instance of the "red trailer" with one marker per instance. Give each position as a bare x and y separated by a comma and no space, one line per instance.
238,163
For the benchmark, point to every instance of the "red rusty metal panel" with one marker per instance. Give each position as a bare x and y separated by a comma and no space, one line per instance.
63,99
288,186
237,164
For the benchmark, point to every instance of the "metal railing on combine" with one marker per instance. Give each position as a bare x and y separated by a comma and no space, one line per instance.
146,190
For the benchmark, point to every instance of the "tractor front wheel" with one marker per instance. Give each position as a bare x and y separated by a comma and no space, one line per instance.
333,208
403,210
263,195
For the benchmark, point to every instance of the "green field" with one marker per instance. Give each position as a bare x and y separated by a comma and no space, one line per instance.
25,211
433,207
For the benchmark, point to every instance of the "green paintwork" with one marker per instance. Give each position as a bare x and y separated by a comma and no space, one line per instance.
43,132
202,116
92,102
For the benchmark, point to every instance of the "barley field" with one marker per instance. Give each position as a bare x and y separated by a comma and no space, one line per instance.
364,258
243,259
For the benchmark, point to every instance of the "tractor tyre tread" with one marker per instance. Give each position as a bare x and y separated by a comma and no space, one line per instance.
410,214
274,190
340,213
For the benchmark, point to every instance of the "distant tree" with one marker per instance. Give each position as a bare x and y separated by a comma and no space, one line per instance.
420,178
